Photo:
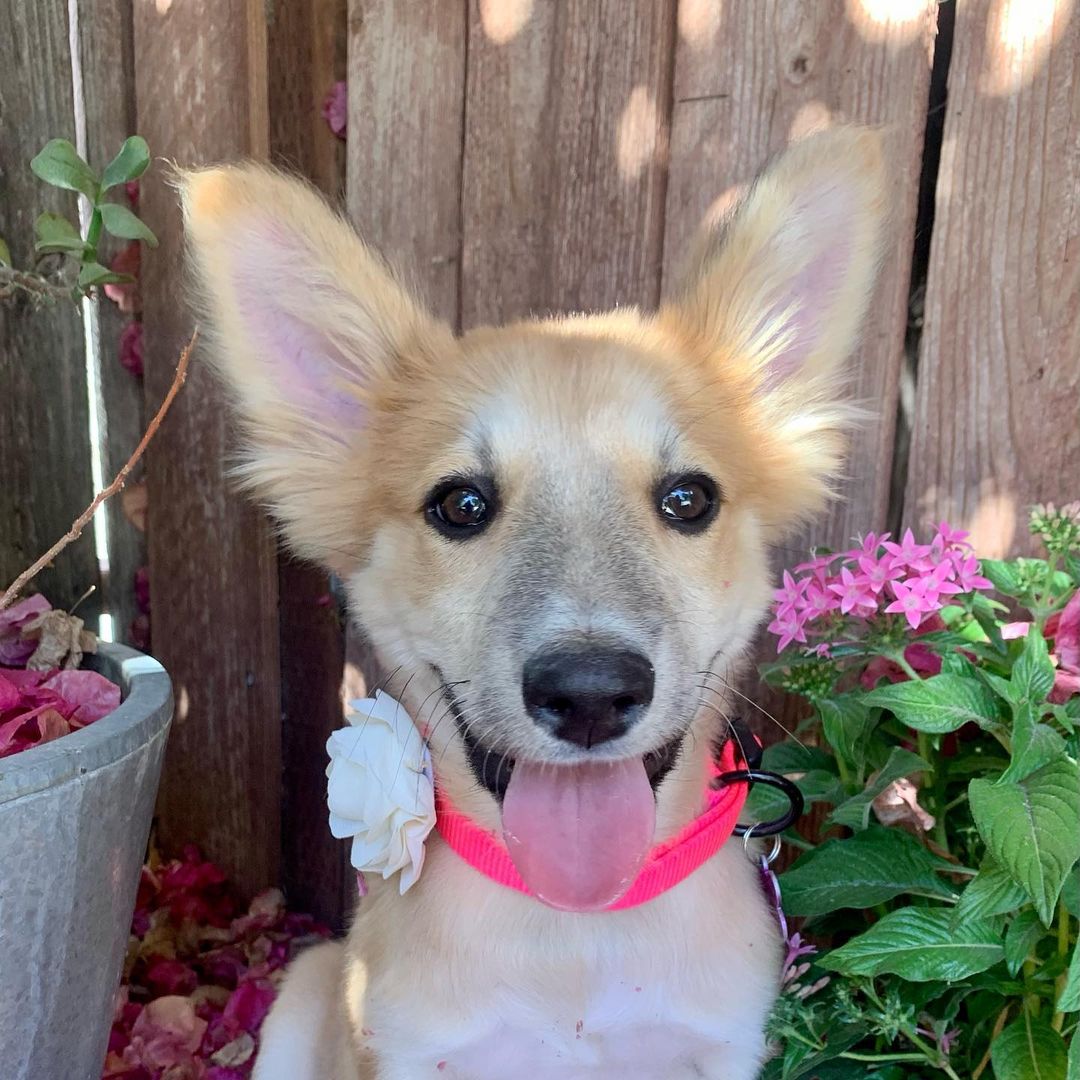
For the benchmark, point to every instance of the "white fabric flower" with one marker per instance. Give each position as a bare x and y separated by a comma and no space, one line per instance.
380,788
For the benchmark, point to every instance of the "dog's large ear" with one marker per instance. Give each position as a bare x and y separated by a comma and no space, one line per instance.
306,324
776,294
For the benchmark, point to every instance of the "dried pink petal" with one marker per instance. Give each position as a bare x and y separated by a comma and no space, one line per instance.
14,649
92,695
166,1032
335,108
899,805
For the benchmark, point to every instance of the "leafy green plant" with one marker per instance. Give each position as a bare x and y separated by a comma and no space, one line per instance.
59,164
944,895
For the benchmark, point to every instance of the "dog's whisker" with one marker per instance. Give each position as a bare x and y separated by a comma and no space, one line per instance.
753,704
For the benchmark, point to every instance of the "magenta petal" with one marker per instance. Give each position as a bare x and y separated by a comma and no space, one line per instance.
91,694
1067,639
14,650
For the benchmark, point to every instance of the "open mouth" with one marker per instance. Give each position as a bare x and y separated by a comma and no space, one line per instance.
578,833
493,769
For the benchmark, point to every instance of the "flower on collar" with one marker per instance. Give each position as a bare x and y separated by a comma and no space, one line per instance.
380,788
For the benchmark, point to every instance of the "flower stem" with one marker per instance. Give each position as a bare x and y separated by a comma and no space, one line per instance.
999,1024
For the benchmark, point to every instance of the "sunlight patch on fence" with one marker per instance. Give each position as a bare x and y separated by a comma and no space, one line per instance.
699,22
895,21
502,20
1020,35
811,117
638,139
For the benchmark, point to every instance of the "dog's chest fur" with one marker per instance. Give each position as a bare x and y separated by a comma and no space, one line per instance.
678,987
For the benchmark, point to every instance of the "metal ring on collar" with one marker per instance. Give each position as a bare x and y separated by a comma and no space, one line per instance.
775,780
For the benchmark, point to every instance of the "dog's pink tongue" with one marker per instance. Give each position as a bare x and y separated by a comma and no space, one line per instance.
578,834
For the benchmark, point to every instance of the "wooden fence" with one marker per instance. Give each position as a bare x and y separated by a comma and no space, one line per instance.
521,156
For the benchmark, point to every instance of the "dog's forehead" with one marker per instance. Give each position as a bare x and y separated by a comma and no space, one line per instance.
559,412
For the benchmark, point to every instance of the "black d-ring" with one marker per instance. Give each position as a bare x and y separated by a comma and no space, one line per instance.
781,783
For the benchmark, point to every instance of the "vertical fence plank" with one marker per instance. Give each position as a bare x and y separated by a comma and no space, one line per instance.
200,73
748,79
403,172
306,51
997,421
565,145
404,146
108,83
44,437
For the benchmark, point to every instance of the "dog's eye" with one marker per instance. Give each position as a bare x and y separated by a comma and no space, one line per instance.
457,510
690,503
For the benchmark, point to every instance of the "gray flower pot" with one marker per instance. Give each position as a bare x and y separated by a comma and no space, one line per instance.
74,820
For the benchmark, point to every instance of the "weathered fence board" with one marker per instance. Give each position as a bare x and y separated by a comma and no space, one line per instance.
748,79
404,146
108,86
997,421
403,175
307,53
45,477
565,146
214,571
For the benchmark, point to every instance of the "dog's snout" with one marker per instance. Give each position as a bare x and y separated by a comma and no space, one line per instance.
587,694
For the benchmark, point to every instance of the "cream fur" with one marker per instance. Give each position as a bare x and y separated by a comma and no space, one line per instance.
354,402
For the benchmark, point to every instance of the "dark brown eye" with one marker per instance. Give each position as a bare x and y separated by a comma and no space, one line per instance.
458,510
690,503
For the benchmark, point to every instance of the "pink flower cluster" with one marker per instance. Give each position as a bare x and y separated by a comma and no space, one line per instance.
199,979
879,576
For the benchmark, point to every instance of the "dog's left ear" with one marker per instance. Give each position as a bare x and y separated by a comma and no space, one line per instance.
775,295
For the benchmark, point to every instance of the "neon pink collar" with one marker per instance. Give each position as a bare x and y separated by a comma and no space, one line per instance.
665,866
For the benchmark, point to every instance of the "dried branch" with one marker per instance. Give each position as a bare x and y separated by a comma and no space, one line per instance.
118,482
40,288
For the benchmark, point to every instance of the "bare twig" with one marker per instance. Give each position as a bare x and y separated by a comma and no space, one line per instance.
118,482
40,288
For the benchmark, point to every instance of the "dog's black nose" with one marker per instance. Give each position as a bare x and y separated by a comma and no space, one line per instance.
587,694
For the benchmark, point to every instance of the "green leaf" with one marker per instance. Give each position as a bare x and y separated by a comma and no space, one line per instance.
920,944
855,812
5,253
939,704
58,163
120,221
93,273
990,892
1029,1050
847,724
55,233
1020,938
1002,575
1032,828
129,164
1069,998
1070,894
1034,745
1033,672
869,868
1073,1070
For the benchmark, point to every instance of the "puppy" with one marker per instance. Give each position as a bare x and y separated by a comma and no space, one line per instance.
555,534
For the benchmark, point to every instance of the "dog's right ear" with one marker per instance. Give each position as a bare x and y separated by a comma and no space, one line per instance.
307,324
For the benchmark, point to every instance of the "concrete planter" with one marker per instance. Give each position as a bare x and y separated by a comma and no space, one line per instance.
74,820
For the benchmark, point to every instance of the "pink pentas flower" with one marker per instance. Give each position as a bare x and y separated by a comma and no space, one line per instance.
854,592
788,627
909,554
878,572
968,574
912,601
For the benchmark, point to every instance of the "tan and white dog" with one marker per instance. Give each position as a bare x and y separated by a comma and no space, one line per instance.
549,531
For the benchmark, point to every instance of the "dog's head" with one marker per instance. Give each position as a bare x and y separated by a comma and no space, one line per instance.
553,532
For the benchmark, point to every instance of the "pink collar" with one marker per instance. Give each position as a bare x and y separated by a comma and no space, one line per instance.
665,866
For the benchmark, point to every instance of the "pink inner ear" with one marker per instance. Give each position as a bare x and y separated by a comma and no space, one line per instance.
311,372
818,220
